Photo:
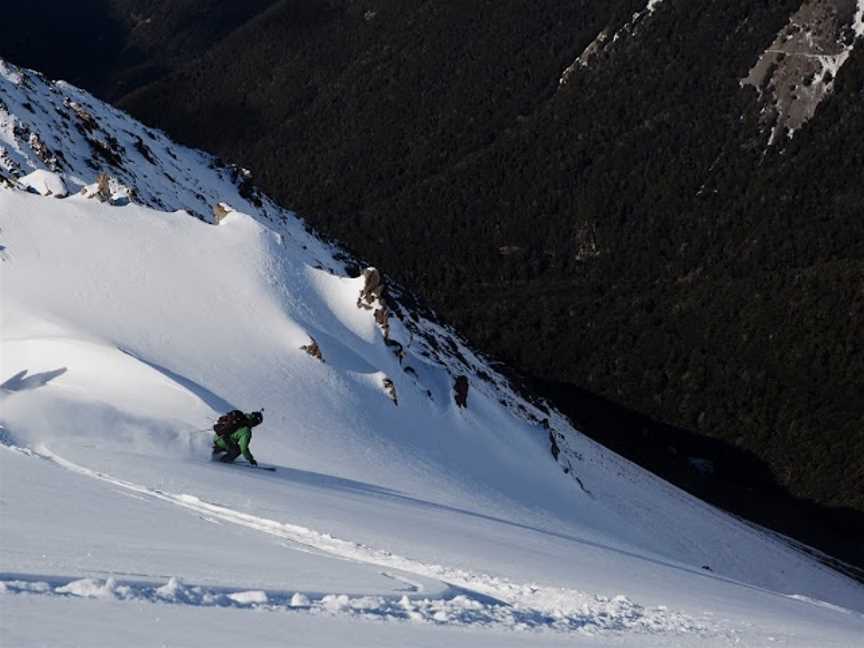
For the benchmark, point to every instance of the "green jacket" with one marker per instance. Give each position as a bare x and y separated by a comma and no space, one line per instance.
240,438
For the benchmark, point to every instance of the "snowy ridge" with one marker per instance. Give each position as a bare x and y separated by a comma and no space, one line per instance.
55,128
56,140
412,483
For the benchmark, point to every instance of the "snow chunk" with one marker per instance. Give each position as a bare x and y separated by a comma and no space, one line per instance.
248,598
17,586
336,603
45,183
89,588
170,589
300,600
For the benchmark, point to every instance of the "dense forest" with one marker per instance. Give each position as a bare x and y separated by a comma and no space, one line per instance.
626,241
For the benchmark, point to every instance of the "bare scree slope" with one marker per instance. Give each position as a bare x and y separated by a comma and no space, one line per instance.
418,498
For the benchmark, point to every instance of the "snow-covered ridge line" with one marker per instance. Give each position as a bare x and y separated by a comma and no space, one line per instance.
56,140
58,129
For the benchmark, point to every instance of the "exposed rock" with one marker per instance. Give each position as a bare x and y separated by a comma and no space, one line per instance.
103,187
382,318
606,39
144,150
43,152
100,190
795,74
108,189
372,298
220,211
8,164
554,448
460,391
313,349
396,347
108,150
86,123
585,57
20,131
245,185
373,288
390,388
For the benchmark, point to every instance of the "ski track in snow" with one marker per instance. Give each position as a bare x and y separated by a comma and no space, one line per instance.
470,598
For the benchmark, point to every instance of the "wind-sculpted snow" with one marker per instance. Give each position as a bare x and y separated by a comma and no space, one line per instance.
460,608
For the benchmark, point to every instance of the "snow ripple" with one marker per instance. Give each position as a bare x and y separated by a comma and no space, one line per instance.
472,598
461,608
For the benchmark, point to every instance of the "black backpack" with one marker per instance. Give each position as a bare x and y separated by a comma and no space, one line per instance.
230,423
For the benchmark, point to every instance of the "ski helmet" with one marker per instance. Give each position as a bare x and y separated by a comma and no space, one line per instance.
255,418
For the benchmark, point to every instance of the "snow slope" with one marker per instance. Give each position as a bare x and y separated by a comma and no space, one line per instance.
130,320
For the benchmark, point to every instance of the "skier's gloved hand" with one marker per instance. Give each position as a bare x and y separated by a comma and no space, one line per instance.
253,462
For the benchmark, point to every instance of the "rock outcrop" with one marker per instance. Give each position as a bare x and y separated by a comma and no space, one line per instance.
313,349
390,388
372,298
43,152
373,289
100,190
796,73
460,391
220,211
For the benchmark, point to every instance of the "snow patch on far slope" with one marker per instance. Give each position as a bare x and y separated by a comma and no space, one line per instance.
796,73
602,42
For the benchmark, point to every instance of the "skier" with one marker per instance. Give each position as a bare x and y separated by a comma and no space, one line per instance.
233,435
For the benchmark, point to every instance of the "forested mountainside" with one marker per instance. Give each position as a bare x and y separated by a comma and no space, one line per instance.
642,207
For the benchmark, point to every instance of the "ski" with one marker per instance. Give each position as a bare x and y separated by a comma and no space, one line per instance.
246,465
